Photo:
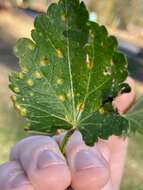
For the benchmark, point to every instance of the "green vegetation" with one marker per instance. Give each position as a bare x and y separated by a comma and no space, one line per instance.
49,91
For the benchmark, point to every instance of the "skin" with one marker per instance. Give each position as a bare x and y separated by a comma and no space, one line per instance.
36,163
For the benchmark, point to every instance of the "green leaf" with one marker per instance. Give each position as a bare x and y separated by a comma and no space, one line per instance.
102,126
135,116
71,70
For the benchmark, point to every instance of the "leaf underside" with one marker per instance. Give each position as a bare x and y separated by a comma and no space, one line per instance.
70,73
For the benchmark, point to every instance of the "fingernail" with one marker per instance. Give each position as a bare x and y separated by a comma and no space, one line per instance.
48,157
19,180
87,159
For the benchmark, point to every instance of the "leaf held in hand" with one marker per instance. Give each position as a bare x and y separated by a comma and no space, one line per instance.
71,71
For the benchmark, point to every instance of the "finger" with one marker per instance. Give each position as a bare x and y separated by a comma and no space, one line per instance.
113,151
118,147
12,177
43,162
124,101
88,167
104,148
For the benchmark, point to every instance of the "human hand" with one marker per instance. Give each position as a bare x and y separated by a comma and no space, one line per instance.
37,163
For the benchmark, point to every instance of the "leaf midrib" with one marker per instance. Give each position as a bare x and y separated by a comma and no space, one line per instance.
69,65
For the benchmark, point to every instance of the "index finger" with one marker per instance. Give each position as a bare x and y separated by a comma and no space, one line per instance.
125,101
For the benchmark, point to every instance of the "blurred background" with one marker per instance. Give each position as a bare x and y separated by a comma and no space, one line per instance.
123,18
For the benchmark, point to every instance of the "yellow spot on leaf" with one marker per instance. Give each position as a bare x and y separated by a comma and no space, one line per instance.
60,81
30,82
23,112
80,107
111,62
16,90
101,110
38,75
87,59
62,98
31,46
108,71
21,75
90,65
63,18
89,62
44,62
59,53
31,94
24,70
